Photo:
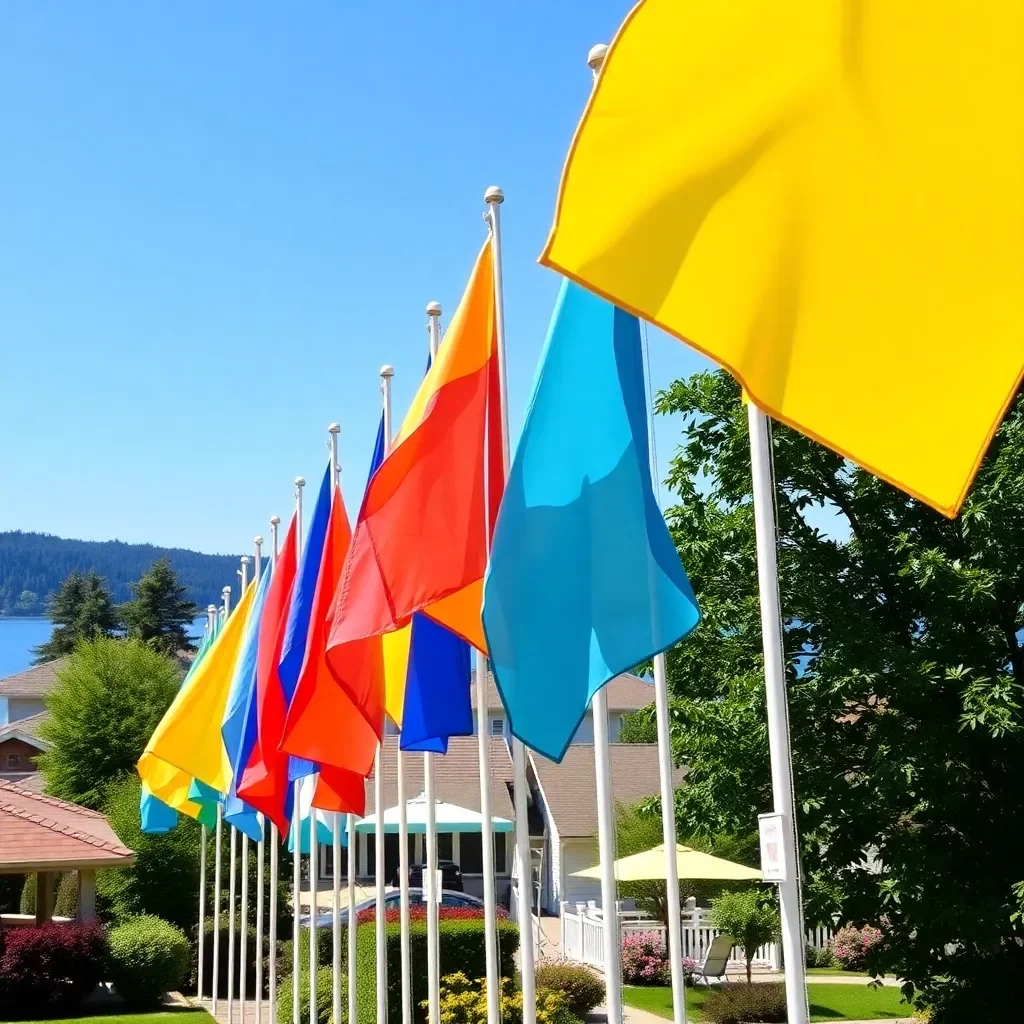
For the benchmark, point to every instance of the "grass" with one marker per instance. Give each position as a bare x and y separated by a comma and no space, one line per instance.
828,1002
831,972
182,1016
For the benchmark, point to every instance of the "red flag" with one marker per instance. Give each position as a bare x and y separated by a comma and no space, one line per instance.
339,790
264,782
323,725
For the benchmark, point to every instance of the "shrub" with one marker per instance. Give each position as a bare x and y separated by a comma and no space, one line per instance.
582,987
645,959
750,917
465,1002
324,950
462,945
851,946
820,956
148,957
740,1004
324,997
50,970
65,903
222,976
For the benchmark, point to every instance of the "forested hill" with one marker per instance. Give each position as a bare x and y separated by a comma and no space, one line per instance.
33,565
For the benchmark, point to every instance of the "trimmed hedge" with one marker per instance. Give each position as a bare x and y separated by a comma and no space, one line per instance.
324,997
739,1004
324,950
462,949
48,971
148,958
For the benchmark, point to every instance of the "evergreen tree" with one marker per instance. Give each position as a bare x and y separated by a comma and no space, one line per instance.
81,610
159,614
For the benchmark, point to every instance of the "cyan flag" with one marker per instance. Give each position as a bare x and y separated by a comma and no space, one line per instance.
584,581
301,609
238,730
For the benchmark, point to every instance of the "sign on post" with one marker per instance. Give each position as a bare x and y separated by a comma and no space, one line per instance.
773,860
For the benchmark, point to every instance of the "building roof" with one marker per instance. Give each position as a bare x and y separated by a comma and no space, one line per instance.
625,693
570,788
41,833
456,776
33,682
26,730
32,781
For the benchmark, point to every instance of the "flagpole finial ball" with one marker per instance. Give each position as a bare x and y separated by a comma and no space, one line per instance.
226,591
258,541
433,309
275,520
494,195
596,56
334,428
246,559
300,481
211,608
387,370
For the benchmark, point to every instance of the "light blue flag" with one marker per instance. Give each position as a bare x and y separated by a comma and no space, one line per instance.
584,581
238,730
155,816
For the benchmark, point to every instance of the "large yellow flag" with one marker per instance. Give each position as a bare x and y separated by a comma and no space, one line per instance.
828,199
187,743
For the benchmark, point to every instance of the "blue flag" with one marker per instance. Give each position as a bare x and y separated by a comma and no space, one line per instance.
238,730
584,581
300,611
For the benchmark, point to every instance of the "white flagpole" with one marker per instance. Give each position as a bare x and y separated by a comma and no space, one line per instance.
386,373
334,429
350,828
494,197
211,619
225,607
433,943
232,883
778,715
275,522
260,853
403,888
296,825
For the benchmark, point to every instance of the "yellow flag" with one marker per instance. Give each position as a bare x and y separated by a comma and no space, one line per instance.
188,737
396,669
827,198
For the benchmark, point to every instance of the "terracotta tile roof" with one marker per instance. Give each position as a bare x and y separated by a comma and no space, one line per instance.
27,727
456,776
40,832
570,788
625,693
32,781
33,682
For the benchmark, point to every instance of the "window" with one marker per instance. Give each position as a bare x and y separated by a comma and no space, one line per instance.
498,726
444,846
471,853
14,760
500,850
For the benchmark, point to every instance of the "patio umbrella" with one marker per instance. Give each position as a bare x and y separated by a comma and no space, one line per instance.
449,818
690,863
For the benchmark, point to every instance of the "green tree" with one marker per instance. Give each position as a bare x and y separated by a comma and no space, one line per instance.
81,609
750,917
109,697
902,632
159,614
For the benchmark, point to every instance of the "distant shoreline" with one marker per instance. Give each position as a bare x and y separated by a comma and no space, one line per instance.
34,616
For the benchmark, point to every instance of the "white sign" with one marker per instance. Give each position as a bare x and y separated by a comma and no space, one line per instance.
433,885
773,856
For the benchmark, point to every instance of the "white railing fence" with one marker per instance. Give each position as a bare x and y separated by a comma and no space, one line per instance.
583,936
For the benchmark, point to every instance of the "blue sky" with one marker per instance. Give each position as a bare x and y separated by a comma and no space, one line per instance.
219,220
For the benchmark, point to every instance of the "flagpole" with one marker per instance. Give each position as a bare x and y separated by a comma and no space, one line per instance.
334,429
232,883
433,944
275,522
296,825
224,610
353,923
778,715
211,619
258,572
386,373
494,197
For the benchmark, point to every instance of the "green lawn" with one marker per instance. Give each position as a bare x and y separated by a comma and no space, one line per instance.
833,971
828,1002
182,1016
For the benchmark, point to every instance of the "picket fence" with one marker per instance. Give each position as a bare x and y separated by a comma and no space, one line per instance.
583,935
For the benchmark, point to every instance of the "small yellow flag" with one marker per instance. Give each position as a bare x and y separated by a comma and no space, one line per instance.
188,737
827,199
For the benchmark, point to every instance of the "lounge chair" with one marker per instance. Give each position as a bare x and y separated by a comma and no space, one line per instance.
715,960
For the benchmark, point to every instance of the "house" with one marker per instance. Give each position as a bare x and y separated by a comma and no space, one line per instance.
24,691
562,802
20,745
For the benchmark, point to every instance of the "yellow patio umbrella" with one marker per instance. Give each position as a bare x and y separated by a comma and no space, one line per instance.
690,863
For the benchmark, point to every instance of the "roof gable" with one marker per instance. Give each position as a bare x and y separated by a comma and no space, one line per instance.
37,681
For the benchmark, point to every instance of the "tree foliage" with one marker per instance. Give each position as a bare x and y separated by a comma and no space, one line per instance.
902,632
750,917
109,697
81,610
159,613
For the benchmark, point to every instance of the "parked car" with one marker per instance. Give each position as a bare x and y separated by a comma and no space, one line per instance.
451,875
393,901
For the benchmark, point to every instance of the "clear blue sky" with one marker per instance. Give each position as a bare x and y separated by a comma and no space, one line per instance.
220,219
